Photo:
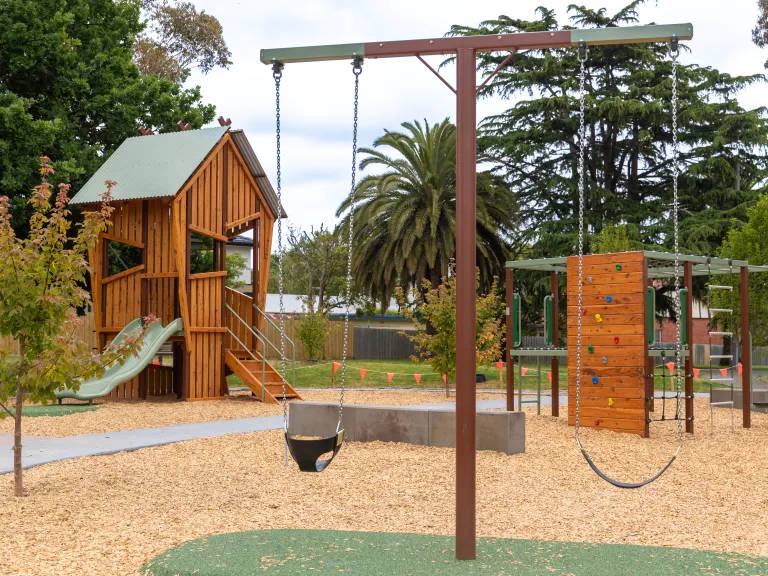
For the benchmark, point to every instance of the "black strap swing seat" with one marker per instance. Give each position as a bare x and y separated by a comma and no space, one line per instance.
306,453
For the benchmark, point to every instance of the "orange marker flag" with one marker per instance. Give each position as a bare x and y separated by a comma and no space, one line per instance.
523,370
670,366
696,372
741,368
363,372
549,375
724,372
390,375
445,378
500,365
335,366
417,377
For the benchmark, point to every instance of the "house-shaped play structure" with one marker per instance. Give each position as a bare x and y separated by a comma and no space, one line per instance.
169,187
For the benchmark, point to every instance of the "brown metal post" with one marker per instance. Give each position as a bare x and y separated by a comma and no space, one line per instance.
510,281
555,365
466,227
649,364
144,286
746,350
688,283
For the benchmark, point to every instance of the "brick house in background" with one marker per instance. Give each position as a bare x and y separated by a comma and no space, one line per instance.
666,333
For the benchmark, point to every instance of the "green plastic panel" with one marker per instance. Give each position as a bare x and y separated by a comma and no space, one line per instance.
312,53
651,295
548,324
631,34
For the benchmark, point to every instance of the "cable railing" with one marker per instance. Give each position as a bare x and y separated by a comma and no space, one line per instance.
263,359
275,348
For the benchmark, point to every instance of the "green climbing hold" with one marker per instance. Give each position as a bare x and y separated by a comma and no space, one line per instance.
618,267
591,349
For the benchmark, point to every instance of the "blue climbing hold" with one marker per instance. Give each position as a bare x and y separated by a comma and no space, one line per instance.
594,380
609,299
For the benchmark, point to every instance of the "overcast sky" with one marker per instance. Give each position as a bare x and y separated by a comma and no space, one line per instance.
317,97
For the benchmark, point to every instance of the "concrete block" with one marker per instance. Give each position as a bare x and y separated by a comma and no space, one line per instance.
759,396
499,431
391,424
442,428
319,419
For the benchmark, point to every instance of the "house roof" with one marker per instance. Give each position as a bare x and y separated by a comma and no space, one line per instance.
154,166
159,165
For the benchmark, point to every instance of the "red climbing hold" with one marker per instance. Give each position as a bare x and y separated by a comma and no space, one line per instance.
616,339
583,311
597,421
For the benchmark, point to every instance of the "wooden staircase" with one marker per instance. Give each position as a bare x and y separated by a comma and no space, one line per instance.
250,372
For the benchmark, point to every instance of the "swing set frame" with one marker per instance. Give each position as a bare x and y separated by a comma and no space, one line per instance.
465,49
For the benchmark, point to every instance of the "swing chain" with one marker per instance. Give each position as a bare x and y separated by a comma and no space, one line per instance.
583,54
674,53
357,69
277,74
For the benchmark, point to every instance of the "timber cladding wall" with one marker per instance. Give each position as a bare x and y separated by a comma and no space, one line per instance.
617,400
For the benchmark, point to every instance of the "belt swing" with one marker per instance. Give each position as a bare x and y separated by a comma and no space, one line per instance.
582,56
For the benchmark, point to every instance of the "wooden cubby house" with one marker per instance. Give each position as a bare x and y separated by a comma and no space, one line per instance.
205,182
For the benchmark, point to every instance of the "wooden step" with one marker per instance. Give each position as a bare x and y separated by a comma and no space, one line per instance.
249,371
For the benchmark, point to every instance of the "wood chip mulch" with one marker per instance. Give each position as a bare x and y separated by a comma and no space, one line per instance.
109,515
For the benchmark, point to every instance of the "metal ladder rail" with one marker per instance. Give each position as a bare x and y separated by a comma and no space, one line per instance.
520,400
263,359
276,327
729,381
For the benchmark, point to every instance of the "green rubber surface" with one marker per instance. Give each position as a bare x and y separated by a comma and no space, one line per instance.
56,410
284,552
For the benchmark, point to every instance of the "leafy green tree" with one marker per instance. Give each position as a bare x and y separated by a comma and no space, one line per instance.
760,32
69,90
313,329
201,260
314,265
405,216
436,307
747,243
40,291
534,144
179,38
611,239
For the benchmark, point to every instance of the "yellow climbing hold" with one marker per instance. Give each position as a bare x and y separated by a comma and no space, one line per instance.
598,318
610,401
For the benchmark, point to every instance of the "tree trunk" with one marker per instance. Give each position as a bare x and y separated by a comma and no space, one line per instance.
17,478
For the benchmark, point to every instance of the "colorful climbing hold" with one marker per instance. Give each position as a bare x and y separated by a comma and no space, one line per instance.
597,421
589,279
618,267
595,380
605,360
598,318
616,340
591,349
610,401
583,311
609,299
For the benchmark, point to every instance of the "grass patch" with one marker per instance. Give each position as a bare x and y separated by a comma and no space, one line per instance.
56,410
318,375
284,552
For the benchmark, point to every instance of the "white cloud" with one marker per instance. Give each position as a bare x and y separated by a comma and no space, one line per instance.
317,97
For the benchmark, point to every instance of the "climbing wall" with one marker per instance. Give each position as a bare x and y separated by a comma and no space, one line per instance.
613,342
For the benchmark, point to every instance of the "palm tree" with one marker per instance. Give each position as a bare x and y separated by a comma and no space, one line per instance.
405,216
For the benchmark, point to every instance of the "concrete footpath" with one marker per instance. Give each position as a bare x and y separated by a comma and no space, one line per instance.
43,450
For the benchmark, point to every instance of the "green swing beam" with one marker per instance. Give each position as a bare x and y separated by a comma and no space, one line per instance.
483,43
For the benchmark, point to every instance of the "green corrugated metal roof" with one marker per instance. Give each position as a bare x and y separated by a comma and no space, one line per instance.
151,166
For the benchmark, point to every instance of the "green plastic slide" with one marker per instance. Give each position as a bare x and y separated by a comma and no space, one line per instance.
116,374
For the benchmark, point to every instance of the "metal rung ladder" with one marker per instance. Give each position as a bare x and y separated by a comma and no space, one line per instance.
727,382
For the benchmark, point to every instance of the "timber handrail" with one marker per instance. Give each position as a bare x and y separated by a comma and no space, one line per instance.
122,274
